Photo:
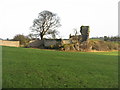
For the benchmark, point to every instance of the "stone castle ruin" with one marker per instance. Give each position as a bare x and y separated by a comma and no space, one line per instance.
75,38
79,42
84,30
75,42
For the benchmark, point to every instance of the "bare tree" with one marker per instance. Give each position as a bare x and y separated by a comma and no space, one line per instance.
46,24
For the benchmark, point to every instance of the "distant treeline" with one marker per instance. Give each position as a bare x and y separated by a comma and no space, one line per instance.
108,38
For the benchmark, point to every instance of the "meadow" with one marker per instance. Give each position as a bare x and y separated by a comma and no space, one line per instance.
36,68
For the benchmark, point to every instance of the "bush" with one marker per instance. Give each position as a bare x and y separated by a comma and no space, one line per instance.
85,46
97,45
24,40
112,45
68,47
53,47
103,45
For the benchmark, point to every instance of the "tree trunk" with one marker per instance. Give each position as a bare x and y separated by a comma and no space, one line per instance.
41,36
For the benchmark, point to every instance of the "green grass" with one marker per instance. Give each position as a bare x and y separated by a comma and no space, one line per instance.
35,68
91,39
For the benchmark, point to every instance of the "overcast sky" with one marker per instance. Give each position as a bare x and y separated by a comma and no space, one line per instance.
16,16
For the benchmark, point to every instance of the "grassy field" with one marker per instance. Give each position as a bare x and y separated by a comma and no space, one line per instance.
35,68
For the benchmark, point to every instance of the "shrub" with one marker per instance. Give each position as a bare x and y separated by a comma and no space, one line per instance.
24,40
103,45
68,47
112,45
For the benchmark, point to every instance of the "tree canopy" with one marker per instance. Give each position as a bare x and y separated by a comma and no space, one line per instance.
23,39
46,24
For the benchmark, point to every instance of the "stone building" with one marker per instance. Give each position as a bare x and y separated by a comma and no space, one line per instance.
84,30
73,39
35,43
45,43
65,41
52,42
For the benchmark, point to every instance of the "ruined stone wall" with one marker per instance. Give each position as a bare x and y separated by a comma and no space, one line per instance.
9,43
75,39
65,42
35,43
49,42
84,30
